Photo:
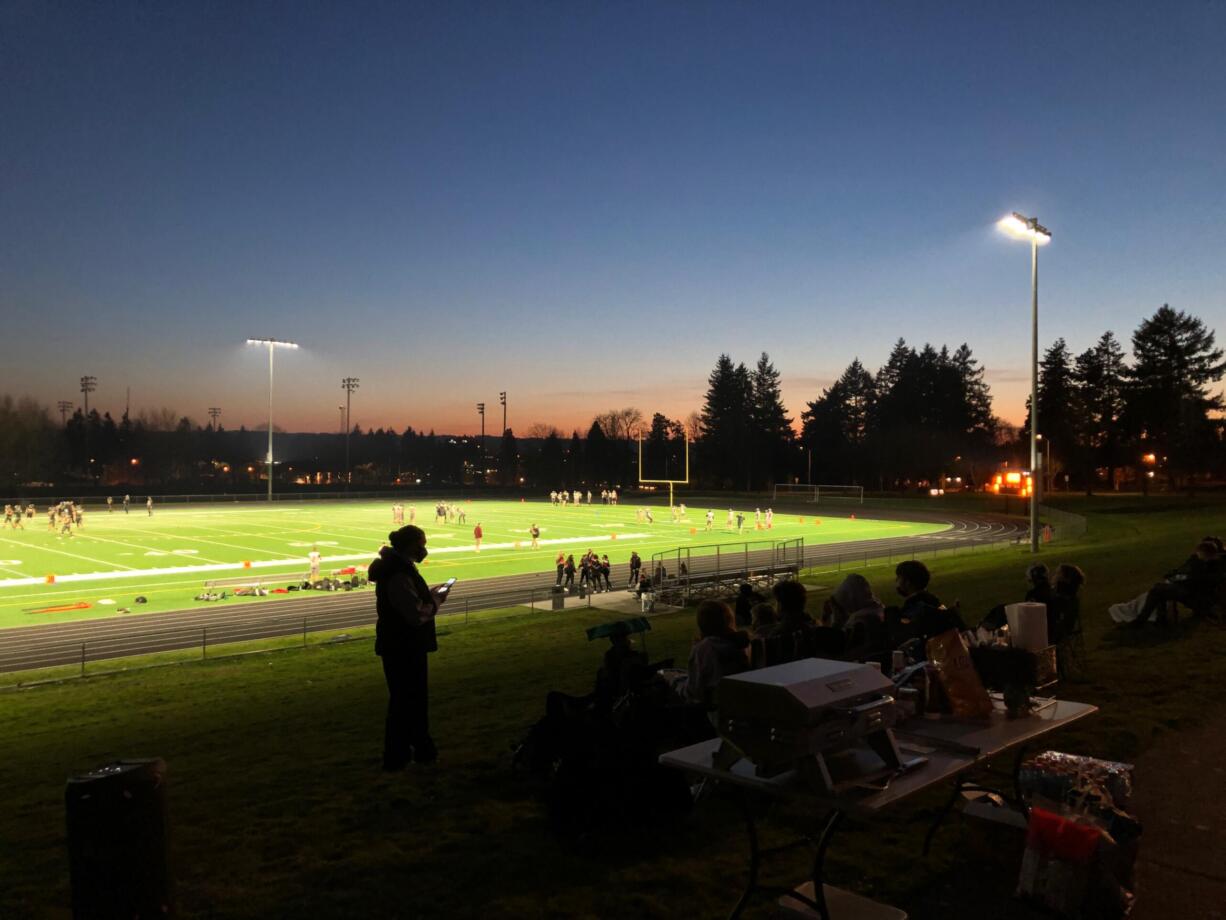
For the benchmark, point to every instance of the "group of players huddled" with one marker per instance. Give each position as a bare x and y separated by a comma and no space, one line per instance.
578,497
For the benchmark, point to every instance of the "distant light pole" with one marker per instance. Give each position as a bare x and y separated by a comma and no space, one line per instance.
502,398
349,384
1029,228
64,405
214,415
341,409
1048,479
88,385
272,345
481,412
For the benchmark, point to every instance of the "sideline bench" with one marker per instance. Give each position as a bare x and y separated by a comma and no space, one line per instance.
680,589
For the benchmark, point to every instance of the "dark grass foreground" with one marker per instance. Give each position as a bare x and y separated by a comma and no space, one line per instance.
278,808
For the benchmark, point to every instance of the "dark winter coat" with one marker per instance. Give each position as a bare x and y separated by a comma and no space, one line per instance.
403,604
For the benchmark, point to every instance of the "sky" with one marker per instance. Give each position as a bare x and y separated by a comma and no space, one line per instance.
585,204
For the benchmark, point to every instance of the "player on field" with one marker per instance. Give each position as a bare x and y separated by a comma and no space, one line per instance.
149,504
30,511
647,514
314,558
478,533
757,518
110,504
535,533
681,510
731,519
589,496
412,513
127,500
51,518
740,522
8,515
553,498
770,518
78,516
710,519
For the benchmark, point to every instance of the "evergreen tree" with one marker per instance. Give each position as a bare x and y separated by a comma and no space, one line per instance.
598,452
723,421
1099,384
1057,408
1169,399
770,429
837,425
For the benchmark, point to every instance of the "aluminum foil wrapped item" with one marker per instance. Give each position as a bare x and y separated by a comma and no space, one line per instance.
1062,777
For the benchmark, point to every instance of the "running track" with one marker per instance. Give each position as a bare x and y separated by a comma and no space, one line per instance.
49,645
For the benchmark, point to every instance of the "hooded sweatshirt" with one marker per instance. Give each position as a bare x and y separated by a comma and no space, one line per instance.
403,604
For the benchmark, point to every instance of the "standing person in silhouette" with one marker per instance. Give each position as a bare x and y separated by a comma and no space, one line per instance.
404,636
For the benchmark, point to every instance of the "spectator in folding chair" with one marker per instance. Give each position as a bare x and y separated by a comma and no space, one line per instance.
720,649
796,636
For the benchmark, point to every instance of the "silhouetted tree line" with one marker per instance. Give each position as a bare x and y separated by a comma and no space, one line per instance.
924,415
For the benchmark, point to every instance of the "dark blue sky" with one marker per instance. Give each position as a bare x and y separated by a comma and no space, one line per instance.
585,203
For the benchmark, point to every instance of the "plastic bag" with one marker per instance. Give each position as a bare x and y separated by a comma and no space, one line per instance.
967,697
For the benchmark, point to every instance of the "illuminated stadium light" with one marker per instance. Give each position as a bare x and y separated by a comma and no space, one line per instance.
272,345
1019,226
1025,228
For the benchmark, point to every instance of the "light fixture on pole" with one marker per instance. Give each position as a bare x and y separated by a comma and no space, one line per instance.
214,415
64,406
88,385
272,345
1028,228
502,398
349,384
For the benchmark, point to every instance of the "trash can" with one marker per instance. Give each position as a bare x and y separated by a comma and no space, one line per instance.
117,841
558,596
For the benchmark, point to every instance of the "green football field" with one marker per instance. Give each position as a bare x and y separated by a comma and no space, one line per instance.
168,556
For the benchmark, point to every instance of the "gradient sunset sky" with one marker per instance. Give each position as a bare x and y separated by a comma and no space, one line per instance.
584,204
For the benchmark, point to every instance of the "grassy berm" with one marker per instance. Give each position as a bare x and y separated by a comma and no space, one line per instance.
278,807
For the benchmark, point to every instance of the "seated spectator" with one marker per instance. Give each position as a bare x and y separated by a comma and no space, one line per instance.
851,603
1039,592
1195,584
745,600
720,650
1064,604
854,609
618,670
763,619
790,600
921,615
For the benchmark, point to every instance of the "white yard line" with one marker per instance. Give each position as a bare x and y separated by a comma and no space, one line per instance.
280,563
48,549
148,549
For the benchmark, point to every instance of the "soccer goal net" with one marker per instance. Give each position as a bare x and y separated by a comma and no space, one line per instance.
814,492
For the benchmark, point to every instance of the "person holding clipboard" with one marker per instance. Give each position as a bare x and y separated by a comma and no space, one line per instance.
404,635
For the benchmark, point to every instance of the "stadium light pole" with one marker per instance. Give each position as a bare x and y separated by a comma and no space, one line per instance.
1028,228
88,385
64,405
502,398
272,345
349,384
481,412
341,409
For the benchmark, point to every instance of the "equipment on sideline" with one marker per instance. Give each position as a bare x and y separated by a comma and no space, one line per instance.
813,492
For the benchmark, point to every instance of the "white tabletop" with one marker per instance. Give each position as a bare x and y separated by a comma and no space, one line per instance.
993,736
